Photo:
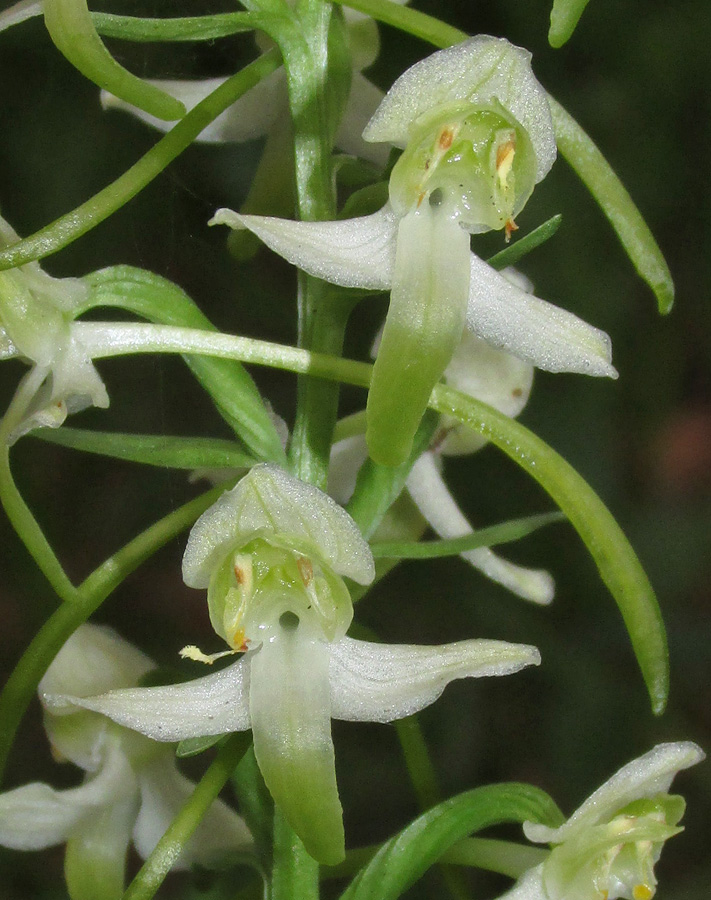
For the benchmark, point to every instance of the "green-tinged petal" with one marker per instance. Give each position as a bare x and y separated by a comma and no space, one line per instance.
383,682
36,816
95,861
607,189
160,450
250,117
528,887
291,722
214,704
20,12
70,26
564,17
363,100
429,491
352,252
550,338
646,776
480,70
164,791
424,325
407,856
617,562
270,501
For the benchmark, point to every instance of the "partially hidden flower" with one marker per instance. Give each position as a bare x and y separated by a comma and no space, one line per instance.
504,382
608,848
478,136
36,324
131,791
263,110
273,553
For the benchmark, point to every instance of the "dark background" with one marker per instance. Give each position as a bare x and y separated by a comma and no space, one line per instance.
635,75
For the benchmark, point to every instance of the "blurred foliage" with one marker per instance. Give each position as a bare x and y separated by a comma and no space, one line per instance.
634,75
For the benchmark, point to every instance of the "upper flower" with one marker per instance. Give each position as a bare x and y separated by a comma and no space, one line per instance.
608,848
273,553
132,789
477,133
36,315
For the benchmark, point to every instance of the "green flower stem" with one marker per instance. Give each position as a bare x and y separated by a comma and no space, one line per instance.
513,530
419,24
22,683
596,174
19,514
73,225
169,847
511,255
504,857
322,318
617,562
188,28
417,761
295,873
71,28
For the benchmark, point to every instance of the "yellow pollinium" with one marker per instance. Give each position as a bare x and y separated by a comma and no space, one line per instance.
642,892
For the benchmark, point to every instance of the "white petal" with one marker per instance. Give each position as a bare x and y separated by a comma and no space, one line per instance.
347,456
493,376
538,332
215,704
528,887
291,724
270,501
25,9
93,660
363,100
353,252
163,793
646,776
431,495
37,816
384,682
478,70
248,118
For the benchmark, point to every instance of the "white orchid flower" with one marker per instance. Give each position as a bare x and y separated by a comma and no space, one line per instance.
608,848
477,133
260,111
273,553
132,789
36,324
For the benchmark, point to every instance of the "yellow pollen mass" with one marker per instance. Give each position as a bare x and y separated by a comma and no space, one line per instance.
504,161
642,892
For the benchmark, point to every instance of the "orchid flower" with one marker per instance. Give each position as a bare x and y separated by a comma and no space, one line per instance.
263,109
477,133
36,324
273,553
608,848
132,789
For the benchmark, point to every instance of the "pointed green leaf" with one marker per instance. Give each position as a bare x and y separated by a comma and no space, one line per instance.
596,174
564,17
408,855
513,530
510,256
152,449
70,26
617,562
